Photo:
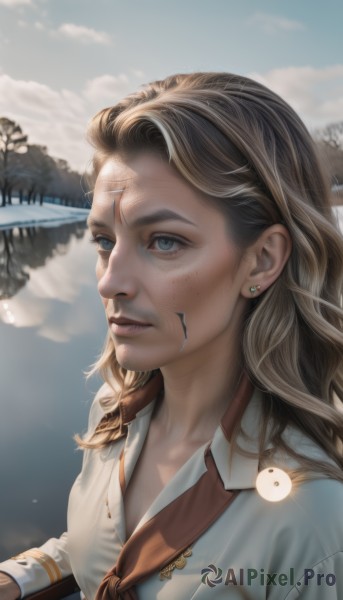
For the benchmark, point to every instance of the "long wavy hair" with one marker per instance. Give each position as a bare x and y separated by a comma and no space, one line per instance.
248,151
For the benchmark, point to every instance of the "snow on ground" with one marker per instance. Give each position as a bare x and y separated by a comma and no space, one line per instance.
47,215
51,215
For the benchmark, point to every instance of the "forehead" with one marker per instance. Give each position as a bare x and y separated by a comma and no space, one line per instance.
133,182
135,173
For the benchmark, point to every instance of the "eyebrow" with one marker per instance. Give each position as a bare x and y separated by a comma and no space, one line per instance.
150,219
92,222
160,215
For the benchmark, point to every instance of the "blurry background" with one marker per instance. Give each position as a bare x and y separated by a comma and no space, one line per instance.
60,62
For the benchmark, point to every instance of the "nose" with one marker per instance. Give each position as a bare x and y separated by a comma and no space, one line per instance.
118,276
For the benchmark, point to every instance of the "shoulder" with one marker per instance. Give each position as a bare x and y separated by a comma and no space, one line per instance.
310,539
316,506
302,534
313,508
307,524
303,529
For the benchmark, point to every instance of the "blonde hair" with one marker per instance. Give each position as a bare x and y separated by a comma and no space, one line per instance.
247,150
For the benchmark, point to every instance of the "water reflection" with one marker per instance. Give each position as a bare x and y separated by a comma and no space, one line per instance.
52,329
31,247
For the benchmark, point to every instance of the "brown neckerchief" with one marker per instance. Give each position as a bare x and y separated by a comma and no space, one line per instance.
179,524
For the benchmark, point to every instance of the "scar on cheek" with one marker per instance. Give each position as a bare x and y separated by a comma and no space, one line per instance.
182,318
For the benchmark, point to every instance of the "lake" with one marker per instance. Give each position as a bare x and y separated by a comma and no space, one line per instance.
52,329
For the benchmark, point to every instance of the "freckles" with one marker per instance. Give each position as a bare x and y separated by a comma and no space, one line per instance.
185,286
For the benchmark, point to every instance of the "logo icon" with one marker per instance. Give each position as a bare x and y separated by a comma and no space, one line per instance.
211,576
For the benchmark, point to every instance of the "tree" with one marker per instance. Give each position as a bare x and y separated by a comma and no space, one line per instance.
330,145
66,185
332,135
12,141
28,169
333,158
35,173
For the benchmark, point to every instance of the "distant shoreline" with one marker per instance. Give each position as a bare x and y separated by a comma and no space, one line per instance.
47,215
52,215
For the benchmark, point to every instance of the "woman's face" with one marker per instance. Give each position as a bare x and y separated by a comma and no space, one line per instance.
166,262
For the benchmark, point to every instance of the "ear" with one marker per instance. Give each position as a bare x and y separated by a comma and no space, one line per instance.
266,258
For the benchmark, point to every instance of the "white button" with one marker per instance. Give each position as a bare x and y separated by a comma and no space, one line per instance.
273,484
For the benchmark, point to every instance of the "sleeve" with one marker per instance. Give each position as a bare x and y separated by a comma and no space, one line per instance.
38,568
319,581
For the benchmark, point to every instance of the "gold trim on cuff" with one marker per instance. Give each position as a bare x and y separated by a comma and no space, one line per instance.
48,563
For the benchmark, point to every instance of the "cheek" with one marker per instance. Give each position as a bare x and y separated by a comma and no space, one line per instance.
176,297
209,290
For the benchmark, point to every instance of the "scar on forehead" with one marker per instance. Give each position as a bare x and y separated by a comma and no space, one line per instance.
117,191
117,202
119,185
182,318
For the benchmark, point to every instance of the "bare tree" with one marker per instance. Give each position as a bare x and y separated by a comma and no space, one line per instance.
330,145
35,172
32,173
332,135
12,141
66,185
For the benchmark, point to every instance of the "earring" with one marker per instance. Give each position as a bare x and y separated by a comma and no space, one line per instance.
254,288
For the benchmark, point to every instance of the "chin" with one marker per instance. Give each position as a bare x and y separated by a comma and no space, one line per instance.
136,363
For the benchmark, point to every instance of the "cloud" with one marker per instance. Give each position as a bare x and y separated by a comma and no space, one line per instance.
273,24
316,94
85,35
15,3
53,118
103,89
138,73
58,119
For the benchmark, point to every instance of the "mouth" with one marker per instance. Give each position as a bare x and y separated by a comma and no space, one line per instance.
126,326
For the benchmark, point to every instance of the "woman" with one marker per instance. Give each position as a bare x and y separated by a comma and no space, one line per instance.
212,463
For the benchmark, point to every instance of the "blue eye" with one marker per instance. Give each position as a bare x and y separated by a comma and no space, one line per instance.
165,243
102,243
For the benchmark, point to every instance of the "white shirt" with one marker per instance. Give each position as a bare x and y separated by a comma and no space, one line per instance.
296,540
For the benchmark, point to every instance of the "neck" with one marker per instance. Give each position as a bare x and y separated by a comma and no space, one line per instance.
195,397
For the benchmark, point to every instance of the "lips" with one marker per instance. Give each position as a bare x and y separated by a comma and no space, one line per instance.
126,321
125,327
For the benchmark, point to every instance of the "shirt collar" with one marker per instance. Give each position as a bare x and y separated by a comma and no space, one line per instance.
237,470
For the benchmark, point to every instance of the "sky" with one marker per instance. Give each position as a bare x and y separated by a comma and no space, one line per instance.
63,60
